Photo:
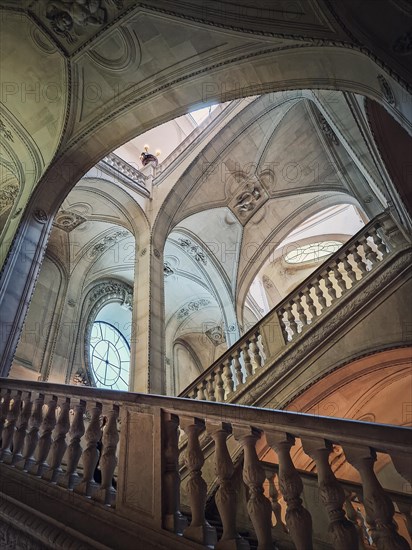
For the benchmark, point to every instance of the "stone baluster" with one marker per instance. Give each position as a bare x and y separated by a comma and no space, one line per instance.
339,278
90,456
379,242
258,506
370,254
201,396
349,270
358,259
274,500
303,318
402,463
281,316
320,294
20,433
354,516
254,350
298,519
291,318
219,391
9,428
237,366
210,387
4,408
192,394
173,520
246,358
311,304
342,532
329,285
378,506
59,446
45,439
226,494
199,529
406,510
74,450
108,459
32,435
227,371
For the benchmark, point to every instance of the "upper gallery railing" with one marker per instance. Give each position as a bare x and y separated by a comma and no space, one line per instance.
337,277
51,434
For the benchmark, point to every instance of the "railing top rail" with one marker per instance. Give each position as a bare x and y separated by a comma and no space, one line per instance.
378,436
288,298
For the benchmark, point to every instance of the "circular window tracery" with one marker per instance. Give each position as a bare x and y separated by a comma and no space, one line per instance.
109,357
312,252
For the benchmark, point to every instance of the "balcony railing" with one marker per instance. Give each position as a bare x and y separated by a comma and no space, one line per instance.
51,435
334,281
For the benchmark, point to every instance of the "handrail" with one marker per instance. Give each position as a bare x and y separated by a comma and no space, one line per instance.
300,308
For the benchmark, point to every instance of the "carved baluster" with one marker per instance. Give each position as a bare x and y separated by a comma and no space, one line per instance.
349,270
32,436
329,285
91,454
237,366
9,427
291,318
258,506
339,278
298,519
199,530
358,259
59,446
311,304
274,501
406,510
379,242
226,494
283,324
173,520
378,506
320,295
20,433
192,394
45,440
301,310
108,460
219,391
354,516
402,463
201,396
74,450
210,387
256,358
246,358
342,532
4,408
370,254
227,371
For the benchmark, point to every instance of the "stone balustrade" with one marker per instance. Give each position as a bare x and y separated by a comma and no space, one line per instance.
334,281
51,435
125,169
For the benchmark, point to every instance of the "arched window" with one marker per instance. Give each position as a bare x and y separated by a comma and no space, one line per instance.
109,357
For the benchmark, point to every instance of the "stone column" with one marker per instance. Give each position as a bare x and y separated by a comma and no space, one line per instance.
378,506
342,532
226,494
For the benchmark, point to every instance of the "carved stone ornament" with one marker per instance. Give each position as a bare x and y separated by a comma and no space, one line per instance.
267,283
5,132
216,335
113,289
68,18
167,270
68,220
327,130
403,44
386,90
80,379
107,242
247,201
40,215
195,305
8,194
193,250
